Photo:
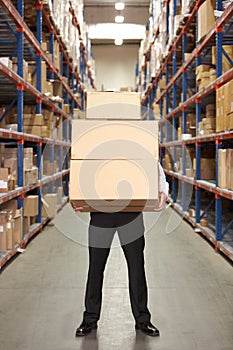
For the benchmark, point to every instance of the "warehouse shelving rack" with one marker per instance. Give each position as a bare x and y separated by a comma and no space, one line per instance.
218,35
18,39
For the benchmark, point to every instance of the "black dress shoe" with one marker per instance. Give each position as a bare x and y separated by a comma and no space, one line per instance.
148,329
85,328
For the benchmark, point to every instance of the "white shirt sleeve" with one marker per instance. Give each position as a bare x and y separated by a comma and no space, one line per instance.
163,184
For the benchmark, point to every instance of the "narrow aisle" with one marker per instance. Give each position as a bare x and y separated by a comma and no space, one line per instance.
190,294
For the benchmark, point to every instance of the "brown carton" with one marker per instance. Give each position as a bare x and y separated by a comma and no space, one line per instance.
4,172
114,139
206,18
222,166
31,205
3,222
113,105
116,184
17,232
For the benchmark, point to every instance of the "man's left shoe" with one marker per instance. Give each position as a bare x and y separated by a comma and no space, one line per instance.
148,329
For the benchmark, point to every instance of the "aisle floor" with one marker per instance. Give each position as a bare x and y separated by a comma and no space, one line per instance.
190,292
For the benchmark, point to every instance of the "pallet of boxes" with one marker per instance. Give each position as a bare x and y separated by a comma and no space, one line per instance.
114,156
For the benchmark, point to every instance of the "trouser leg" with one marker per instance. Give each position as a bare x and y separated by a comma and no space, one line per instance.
93,298
131,233
137,279
100,239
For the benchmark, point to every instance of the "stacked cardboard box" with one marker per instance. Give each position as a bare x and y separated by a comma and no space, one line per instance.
206,18
207,167
114,165
225,168
226,65
35,124
113,105
167,162
9,156
46,86
224,107
7,180
26,76
30,209
10,225
205,74
208,123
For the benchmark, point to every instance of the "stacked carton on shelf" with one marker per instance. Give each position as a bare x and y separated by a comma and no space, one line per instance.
224,107
10,225
225,168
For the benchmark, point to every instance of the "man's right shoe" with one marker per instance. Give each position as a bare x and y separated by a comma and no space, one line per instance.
148,328
85,328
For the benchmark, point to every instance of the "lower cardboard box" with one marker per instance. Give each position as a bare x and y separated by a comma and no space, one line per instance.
120,184
116,205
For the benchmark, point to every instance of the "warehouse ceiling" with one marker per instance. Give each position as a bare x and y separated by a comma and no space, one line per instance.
103,12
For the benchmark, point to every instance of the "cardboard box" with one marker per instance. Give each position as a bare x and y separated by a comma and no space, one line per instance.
116,184
30,176
32,129
12,164
66,108
4,172
10,206
230,168
3,222
206,18
113,105
220,117
226,65
26,224
34,119
49,205
208,168
230,121
57,88
31,205
9,234
222,166
114,139
17,232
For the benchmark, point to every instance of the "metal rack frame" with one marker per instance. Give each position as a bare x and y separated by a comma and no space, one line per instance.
17,25
216,139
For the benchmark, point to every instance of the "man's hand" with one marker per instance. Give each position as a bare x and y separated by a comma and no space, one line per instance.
77,208
162,201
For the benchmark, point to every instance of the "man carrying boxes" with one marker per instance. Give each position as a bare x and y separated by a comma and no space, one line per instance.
115,175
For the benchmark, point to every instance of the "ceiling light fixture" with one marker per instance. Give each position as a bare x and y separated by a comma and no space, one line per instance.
118,41
119,6
119,19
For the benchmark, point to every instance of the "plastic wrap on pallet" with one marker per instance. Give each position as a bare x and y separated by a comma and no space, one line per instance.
162,20
186,6
226,3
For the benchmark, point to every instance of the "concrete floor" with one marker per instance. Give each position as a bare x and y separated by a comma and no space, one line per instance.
190,293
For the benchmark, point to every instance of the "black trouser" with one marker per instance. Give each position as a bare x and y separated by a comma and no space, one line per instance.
130,230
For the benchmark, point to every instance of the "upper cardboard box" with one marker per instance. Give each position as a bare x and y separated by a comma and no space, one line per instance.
114,139
113,105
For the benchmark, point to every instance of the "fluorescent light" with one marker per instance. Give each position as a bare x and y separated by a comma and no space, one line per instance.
119,6
115,30
119,19
118,41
